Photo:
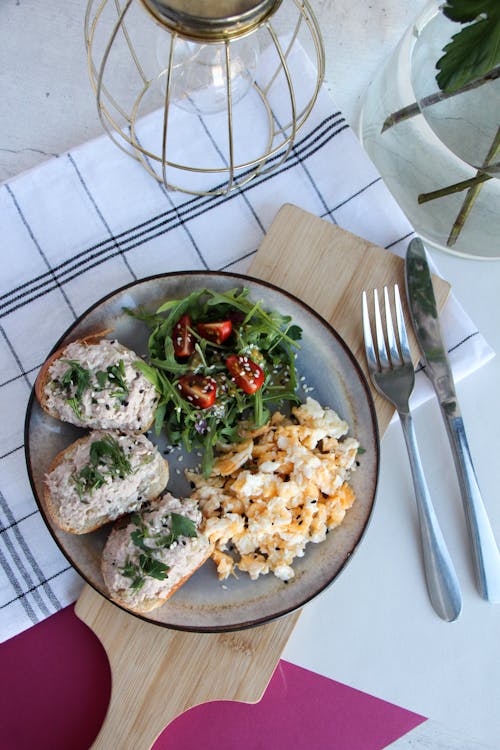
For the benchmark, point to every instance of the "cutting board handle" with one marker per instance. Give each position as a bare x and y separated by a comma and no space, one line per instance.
158,673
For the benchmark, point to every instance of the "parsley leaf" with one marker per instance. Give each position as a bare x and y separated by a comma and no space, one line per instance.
154,568
182,526
475,49
148,564
75,382
106,458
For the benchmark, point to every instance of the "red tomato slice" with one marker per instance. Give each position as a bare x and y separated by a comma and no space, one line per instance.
199,390
246,374
182,337
216,332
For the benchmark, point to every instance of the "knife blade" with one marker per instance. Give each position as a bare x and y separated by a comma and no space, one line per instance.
425,319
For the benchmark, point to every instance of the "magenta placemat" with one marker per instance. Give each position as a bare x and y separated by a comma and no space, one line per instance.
57,683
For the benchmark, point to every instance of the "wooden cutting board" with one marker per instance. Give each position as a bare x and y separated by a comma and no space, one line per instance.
158,673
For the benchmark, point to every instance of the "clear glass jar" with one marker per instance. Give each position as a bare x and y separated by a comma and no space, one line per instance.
444,141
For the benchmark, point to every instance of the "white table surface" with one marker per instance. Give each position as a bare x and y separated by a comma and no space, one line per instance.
376,631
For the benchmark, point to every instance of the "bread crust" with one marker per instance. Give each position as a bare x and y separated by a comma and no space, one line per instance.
51,506
43,374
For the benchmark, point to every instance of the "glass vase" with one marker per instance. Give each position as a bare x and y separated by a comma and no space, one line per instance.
438,154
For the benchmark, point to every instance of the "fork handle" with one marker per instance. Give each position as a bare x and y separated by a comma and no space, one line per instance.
442,582
485,552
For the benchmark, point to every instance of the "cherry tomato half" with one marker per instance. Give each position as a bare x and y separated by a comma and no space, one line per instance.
246,374
199,390
216,332
182,337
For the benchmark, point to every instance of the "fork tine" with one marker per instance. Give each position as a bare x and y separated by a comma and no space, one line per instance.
379,331
371,357
400,322
391,336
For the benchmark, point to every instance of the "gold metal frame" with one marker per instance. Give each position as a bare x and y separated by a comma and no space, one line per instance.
125,137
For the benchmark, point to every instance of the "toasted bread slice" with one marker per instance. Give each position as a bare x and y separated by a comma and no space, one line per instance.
170,558
101,477
94,382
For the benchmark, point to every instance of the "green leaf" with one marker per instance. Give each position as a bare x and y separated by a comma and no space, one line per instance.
182,526
140,313
294,333
475,49
102,378
153,568
465,11
267,337
106,459
137,537
149,373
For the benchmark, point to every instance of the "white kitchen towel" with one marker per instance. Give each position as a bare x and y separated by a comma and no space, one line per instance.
92,220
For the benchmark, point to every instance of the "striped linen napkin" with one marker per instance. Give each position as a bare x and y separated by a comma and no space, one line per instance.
92,220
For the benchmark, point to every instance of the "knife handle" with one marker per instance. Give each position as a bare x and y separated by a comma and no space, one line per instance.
484,549
442,582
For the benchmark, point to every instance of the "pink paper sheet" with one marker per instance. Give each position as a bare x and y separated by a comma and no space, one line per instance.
56,685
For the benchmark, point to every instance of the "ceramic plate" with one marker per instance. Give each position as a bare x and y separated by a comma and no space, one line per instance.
204,603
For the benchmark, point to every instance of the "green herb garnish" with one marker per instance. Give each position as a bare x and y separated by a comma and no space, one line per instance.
148,564
106,459
268,338
75,382
114,377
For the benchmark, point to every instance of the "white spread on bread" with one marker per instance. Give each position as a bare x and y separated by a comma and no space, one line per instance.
80,508
99,406
182,557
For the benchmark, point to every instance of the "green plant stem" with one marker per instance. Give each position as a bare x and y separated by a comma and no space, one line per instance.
416,108
457,187
472,194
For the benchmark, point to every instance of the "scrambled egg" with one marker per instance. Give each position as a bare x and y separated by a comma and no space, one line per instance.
284,486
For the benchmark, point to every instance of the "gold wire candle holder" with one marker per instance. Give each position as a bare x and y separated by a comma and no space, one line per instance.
205,95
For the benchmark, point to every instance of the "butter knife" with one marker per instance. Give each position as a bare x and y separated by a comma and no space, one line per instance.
425,319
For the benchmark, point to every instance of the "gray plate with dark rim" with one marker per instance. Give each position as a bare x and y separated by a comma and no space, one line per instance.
204,604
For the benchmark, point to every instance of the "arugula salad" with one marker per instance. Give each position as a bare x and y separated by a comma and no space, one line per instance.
217,359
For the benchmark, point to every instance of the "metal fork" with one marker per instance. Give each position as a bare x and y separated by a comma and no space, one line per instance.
393,376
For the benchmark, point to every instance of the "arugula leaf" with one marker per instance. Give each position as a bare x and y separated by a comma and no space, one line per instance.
475,49
269,338
140,313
